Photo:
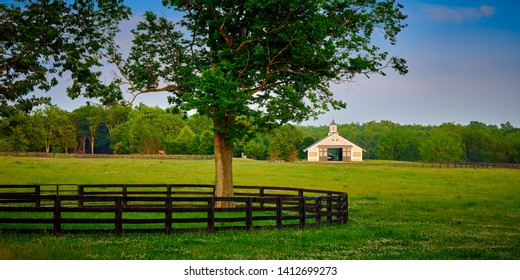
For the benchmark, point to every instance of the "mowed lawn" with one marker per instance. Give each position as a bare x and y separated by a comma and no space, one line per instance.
395,212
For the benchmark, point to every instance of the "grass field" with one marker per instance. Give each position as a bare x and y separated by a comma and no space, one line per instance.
395,212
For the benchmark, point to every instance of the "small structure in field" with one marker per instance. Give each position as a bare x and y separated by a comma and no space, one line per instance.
334,148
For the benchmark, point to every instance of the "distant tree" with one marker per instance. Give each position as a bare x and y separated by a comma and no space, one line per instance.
183,140
284,142
305,143
401,143
199,123
370,135
513,139
95,121
206,143
116,115
442,146
87,120
41,40
142,139
66,137
255,64
23,132
57,128
478,143
255,148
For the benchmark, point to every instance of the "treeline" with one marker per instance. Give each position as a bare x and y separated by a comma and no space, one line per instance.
475,142
146,130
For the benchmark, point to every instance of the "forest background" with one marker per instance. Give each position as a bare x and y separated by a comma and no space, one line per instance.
96,129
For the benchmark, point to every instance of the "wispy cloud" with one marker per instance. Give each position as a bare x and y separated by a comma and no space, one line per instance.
441,13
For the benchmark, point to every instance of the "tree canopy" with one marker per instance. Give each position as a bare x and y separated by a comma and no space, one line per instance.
42,40
250,65
253,64
247,65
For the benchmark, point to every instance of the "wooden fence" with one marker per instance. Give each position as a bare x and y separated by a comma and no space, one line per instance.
451,164
130,156
162,208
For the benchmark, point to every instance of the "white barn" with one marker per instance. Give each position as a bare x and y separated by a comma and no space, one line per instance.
334,148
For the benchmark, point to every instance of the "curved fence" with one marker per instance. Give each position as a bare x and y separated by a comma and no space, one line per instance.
162,208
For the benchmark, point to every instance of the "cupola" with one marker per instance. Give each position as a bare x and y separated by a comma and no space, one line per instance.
333,128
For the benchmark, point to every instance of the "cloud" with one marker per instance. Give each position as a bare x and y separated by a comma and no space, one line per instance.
440,13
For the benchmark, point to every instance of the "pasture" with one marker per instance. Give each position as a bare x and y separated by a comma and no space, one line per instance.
400,212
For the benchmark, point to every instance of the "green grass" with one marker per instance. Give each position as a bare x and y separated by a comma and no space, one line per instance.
395,212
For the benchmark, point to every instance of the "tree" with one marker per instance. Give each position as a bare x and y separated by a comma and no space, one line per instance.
372,132
57,128
255,148
41,39
206,143
183,141
284,143
67,134
116,115
442,146
251,65
306,142
87,120
141,137
23,132
401,143
95,121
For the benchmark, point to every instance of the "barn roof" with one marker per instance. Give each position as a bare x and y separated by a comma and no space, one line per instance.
329,136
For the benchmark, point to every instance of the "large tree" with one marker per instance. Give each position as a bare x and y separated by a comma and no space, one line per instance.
41,40
250,64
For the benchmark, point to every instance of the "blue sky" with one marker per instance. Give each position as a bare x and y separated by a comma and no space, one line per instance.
464,65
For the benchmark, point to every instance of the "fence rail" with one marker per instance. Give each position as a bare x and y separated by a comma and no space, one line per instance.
130,156
451,164
162,208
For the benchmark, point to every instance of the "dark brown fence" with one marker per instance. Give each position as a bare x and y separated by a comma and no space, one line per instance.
130,156
162,208
451,164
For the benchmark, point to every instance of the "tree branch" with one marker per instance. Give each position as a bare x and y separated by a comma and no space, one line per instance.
156,89
272,61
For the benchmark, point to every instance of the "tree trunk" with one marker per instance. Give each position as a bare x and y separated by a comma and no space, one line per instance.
83,144
48,140
223,170
92,144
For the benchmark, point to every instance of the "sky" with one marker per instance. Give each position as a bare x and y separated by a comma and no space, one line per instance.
463,59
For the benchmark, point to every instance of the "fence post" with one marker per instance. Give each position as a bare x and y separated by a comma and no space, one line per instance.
262,196
279,210
329,209
302,211
211,214
249,213
318,210
345,217
168,191
57,215
81,193
37,193
125,194
168,214
119,215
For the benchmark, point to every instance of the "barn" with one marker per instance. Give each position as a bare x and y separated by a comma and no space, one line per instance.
334,148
